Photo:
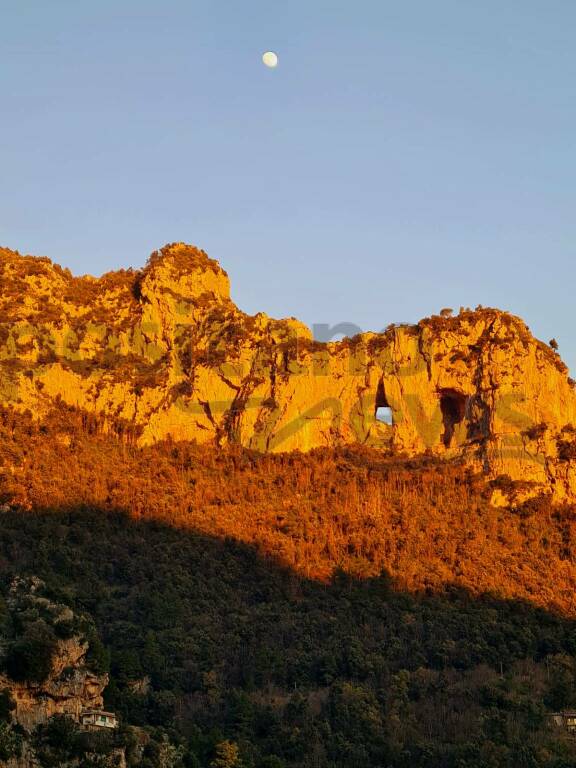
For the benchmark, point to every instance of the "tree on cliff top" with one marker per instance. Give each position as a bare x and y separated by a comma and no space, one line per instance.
30,657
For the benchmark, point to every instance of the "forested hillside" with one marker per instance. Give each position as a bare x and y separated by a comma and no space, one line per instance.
333,609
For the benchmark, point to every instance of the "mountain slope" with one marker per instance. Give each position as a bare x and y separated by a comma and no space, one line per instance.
429,523
280,580
330,609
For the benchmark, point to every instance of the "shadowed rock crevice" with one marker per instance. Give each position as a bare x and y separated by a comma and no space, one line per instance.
453,406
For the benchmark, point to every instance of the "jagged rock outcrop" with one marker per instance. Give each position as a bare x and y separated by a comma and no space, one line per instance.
46,672
70,686
165,352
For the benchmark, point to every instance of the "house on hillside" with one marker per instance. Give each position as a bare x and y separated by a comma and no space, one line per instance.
93,719
565,720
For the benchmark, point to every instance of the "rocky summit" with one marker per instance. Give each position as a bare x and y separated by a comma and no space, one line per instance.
164,352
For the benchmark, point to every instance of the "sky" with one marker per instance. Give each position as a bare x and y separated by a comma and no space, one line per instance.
404,157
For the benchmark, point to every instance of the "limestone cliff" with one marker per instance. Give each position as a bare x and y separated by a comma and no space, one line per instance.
165,352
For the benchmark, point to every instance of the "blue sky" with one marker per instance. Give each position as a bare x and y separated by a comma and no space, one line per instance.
403,157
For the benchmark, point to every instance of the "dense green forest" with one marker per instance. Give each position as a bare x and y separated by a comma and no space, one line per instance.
235,658
294,672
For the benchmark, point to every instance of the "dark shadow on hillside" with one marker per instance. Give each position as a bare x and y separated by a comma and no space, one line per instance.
233,642
148,575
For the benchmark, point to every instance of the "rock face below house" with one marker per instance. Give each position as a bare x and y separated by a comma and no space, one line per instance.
67,685
165,352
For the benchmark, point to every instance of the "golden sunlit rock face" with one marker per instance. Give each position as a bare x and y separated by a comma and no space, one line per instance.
166,352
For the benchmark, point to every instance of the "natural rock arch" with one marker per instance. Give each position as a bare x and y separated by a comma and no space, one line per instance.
382,409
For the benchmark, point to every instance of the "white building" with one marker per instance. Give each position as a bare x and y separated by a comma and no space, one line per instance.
97,718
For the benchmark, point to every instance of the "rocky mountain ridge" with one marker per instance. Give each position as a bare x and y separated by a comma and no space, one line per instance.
164,352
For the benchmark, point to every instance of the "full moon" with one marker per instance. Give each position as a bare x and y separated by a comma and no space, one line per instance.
270,59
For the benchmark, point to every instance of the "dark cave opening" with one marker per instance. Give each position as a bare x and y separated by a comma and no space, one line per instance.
453,407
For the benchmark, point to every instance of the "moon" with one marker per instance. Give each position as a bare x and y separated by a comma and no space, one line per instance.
270,59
